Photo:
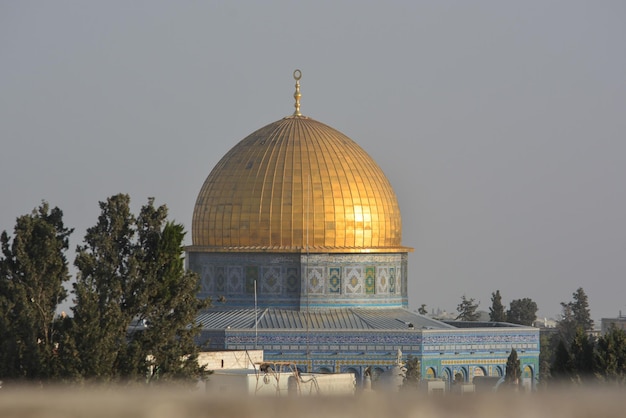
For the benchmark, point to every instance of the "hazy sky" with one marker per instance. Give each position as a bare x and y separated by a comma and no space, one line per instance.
501,125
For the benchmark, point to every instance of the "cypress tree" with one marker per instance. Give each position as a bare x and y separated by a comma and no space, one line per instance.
33,268
610,356
561,368
582,355
496,311
513,370
166,344
581,311
103,310
136,304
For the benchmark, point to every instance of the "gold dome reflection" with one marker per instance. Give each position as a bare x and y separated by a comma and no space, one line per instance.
293,185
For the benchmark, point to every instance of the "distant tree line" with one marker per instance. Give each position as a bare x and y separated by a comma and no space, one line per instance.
134,303
570,354
573,355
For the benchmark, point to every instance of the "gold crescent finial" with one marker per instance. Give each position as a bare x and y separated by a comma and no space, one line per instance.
297,75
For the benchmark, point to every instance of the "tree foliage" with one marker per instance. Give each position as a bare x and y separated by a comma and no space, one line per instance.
422,309
170,304
610,357
546,356
513,369
581,311
467,310
575,314
522,311
33,268
132,279
566,325
582,356
413,372
587,360
104,290
496,311
561,368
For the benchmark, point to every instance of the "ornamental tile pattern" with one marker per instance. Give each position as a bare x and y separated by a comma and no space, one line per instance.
382,282
293,280
334,280
220,279
271,281
315,280
252,275
370,280
235,279
206,279
353,280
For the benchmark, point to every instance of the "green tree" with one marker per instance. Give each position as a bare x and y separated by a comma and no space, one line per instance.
567,325
33,268
467,310
581,311
610,356
522,311
135,303
546,355
105,306
513,369
170,305
496,311
422,309
582,356
413,372
561,368
575,314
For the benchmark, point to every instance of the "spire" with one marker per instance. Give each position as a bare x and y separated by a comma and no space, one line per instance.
297,75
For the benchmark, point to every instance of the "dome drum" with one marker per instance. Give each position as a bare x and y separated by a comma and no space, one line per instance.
300,281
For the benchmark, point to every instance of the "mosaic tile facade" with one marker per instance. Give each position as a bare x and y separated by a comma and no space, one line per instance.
327,280
336,351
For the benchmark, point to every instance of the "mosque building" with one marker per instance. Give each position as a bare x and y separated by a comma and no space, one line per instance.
297,239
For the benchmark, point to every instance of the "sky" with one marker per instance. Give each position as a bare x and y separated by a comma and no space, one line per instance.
501,125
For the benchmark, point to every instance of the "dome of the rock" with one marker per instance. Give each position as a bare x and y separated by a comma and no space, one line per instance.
297,215
293,185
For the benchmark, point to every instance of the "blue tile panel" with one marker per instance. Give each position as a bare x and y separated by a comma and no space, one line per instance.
360,338
295,281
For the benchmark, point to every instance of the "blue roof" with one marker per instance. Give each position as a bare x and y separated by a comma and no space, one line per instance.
328,319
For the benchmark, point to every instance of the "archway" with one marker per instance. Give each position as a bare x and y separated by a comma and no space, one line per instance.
355,372
430,373
446,376
527,377
461,375
375,374
527,372
479,372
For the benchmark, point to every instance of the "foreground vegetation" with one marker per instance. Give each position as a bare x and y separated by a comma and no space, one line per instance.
134,303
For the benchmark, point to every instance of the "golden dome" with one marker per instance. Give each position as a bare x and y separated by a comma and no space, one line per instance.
297,185
293,184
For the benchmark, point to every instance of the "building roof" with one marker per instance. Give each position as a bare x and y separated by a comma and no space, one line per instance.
297,185
332,319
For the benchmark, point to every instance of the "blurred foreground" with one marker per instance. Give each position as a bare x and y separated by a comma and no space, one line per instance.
164,402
